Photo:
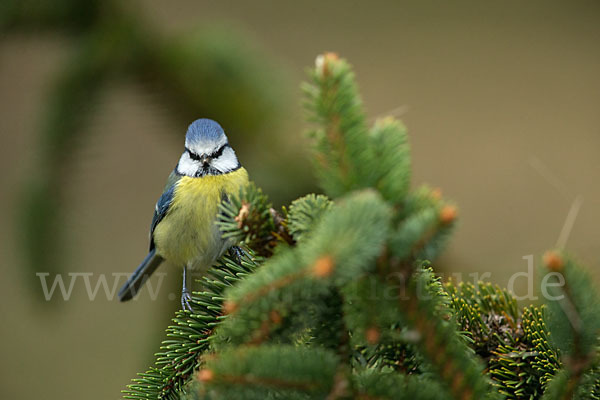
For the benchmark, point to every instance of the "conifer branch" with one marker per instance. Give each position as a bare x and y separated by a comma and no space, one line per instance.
342,147
188,336
573,320
341,248
462,374
344,305
264,369
249,218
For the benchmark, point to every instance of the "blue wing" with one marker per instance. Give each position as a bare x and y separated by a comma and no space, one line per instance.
163,204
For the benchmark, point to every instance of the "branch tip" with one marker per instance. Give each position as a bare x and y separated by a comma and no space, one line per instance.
229,306
448,214
436,194
205,375
323,267
372,335
322,61
553,261
275,317
243,214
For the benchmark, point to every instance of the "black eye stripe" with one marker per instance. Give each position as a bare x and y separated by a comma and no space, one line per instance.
192,155
219,152
216,154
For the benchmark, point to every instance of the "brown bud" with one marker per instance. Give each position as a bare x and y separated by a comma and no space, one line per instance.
323,267
448,214
243,214
372,335
205,375
331,56
323,61
275,317
436,194
229,306
553,261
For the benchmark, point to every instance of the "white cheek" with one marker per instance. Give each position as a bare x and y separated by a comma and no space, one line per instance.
187,166
227,162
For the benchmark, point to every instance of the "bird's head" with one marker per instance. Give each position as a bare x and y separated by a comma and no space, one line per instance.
207,151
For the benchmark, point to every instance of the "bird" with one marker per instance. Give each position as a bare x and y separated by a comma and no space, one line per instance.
183,231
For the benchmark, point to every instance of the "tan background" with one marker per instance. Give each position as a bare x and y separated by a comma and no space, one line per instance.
501,101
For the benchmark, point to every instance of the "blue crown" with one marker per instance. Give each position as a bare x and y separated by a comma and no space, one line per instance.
204,130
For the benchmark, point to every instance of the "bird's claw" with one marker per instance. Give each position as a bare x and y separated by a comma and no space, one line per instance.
186,300
237,252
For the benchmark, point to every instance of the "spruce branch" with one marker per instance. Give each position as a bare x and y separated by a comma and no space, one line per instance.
392,152
379,338
342,149
305,212
423,234
385,385
573,308
188,336
546,361
370,310
342,247
249,218
514,343
488,313
257,372
348,307
439,341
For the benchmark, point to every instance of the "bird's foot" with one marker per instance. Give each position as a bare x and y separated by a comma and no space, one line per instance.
237,253
186,301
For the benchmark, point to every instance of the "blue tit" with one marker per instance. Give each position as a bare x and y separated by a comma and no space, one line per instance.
183,230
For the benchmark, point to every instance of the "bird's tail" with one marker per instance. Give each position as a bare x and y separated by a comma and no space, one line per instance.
139,276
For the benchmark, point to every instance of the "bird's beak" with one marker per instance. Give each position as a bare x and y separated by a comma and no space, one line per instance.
204,159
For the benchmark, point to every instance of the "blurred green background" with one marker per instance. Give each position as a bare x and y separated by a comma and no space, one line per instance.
500,99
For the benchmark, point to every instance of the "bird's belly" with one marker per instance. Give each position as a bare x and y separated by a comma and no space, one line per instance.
188,235
187,240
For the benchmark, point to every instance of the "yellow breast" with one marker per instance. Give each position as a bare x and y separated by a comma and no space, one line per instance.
188,235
